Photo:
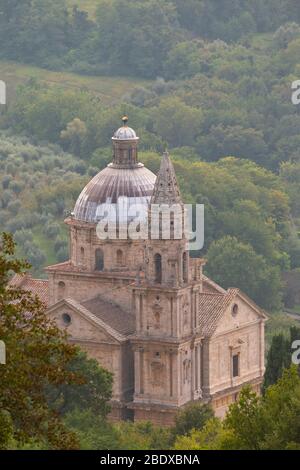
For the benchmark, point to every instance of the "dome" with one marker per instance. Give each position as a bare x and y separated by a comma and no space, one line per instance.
109,187
125,133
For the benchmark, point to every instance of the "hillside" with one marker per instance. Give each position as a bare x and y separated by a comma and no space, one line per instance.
109,89
86,5
211,84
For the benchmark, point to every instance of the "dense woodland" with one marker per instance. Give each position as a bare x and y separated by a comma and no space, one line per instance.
215,88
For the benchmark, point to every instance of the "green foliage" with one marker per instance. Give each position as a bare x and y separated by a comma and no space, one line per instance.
44,376
270,422
93,431
211,437
37,355
48,182
127,32
279,355
233,263
176,122
222,98
6,429
142,436
244,418
136,37
74,136
193,416
241,200
92,395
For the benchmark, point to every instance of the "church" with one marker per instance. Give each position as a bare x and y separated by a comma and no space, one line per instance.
144,309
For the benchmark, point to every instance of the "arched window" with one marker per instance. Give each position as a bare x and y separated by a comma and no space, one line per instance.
120,261
157,264
185,267
99,260
61,290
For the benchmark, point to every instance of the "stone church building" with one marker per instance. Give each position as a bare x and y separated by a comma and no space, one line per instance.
144,309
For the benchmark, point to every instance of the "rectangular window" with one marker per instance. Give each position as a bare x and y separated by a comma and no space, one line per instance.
236,365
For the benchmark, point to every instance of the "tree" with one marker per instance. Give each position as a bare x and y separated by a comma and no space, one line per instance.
233,140
37,354
34,30
244,418
74,136
142,435
94,394
94,432
193,416
278,358
39,357
234,263
286,33
135,36
213,436
6,429
269,422
176,122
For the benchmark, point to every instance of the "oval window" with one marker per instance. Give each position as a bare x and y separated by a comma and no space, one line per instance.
235,310
66,319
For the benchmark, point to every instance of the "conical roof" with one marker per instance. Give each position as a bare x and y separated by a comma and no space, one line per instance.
166,190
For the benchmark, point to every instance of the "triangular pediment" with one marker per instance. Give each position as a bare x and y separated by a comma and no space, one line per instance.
80,323
240,312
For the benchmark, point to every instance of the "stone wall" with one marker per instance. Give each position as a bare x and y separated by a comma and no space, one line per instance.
85,286
84,243
113,356
241,334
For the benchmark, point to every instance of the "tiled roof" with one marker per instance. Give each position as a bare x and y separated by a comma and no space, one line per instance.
38,287
121,321
211,308
136,183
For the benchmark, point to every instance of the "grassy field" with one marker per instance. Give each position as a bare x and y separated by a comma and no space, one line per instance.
109,89
87,5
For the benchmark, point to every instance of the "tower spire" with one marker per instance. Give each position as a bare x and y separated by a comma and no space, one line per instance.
166,190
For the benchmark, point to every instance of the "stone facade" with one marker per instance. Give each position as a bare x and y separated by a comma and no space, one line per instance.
145,310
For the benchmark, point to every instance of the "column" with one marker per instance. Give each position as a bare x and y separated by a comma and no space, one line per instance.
171,372
196,354
141,312
141,371
171,316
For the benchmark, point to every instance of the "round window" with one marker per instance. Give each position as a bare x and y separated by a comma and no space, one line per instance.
66,319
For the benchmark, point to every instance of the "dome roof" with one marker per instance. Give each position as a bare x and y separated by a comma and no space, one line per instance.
111,184
125,133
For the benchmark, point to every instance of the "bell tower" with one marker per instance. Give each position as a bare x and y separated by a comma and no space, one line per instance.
166,344
167,256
